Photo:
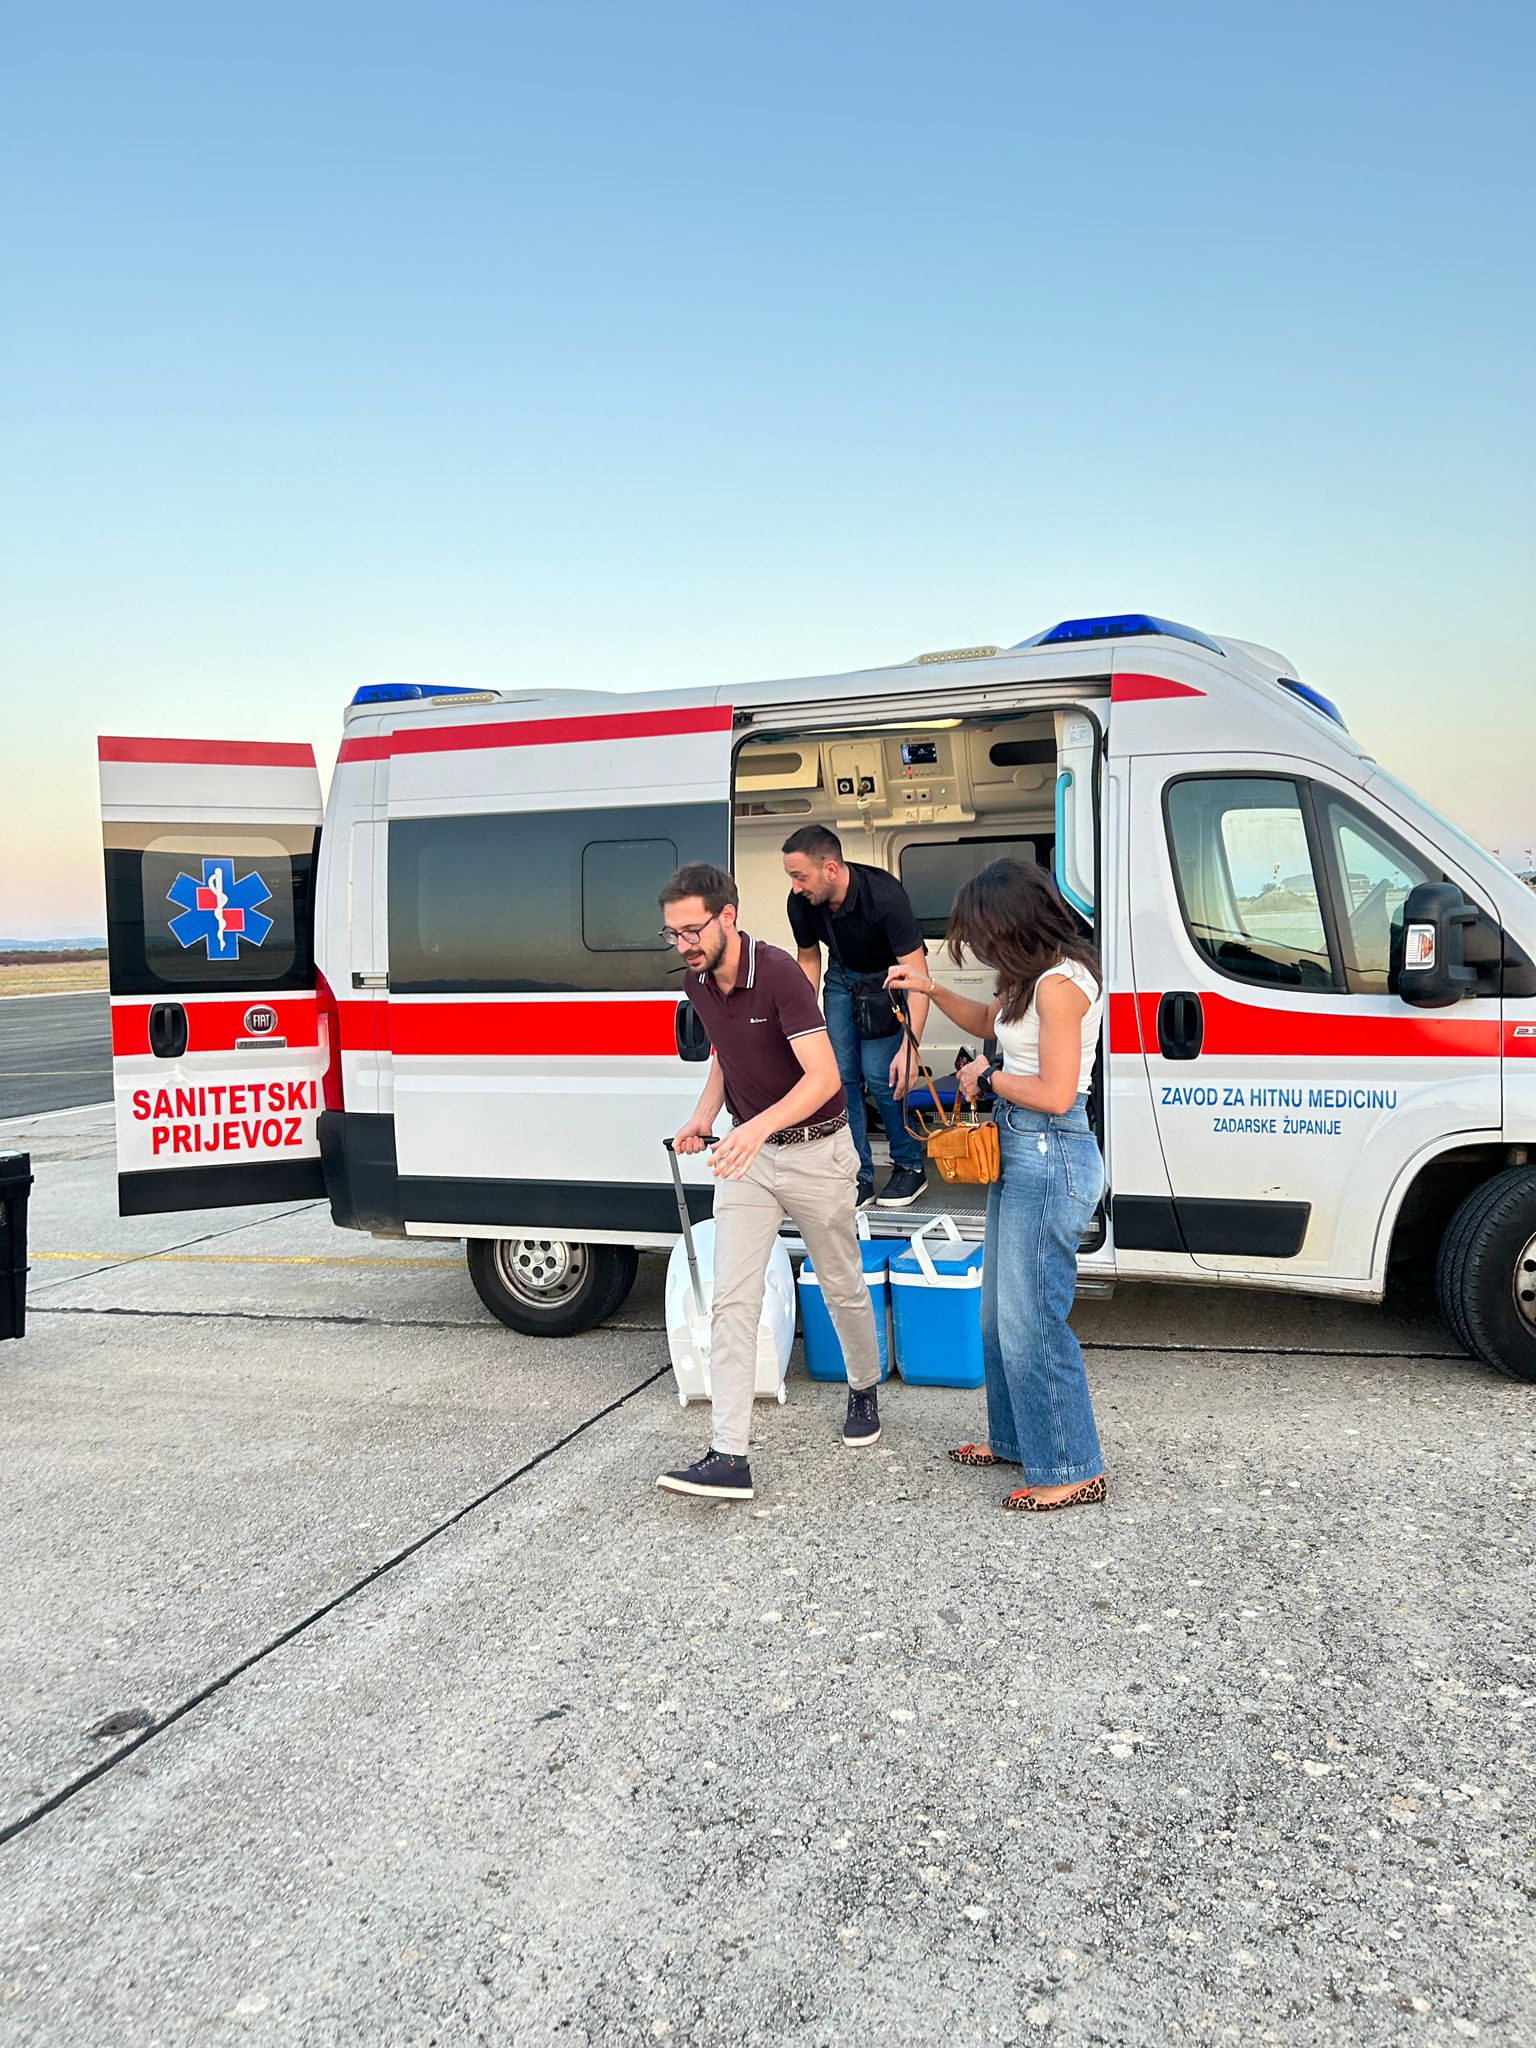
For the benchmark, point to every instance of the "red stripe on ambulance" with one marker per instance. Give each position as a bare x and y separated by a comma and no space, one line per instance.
618,1029
208,753
1124,1031
215,1025
536,732
1128,688
1236,1030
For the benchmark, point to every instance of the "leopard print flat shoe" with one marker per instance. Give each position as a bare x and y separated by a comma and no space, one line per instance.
974,1454
1088,1495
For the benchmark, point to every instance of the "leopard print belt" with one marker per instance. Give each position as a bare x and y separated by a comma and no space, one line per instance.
807,1134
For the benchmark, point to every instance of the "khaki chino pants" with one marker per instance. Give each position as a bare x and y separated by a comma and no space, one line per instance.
814,1185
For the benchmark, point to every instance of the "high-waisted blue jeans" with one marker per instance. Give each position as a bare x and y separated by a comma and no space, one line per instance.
1039,1414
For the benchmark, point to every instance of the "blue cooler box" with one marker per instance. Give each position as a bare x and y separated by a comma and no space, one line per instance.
936,1303
823,1353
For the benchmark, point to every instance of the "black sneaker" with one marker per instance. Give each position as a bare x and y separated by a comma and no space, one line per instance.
716,1476
862,1425
903,1188
865,1195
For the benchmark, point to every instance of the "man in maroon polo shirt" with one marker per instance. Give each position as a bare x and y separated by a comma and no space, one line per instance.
788,1154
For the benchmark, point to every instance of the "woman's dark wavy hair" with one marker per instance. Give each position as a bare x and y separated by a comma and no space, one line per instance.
1011,915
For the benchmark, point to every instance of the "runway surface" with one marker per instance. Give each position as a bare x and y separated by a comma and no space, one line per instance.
55,1053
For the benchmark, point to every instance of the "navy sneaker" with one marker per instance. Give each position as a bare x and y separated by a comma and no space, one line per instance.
903,1188
862,1425
865,1195
716,1476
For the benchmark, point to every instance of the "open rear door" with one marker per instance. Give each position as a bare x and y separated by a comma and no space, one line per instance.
218,1055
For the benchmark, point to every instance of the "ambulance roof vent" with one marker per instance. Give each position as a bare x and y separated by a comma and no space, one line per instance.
1118,626
401,693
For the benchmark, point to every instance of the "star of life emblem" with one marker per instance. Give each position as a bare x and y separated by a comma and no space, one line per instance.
220,911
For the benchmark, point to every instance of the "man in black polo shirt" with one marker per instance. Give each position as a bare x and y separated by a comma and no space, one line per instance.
789,1154
864,919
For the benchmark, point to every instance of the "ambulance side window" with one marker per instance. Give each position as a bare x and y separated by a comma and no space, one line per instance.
532,902
933,871
204,907
621,880
1248,879
1374,871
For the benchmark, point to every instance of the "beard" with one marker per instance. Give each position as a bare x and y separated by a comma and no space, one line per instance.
708,958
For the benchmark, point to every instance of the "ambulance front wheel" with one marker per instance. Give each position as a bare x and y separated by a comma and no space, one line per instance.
548,1287
1486,1275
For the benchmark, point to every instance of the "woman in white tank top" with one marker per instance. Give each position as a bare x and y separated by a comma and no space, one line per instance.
1046,1018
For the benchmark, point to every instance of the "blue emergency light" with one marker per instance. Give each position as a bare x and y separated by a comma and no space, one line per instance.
1121,626
1315,698
399,693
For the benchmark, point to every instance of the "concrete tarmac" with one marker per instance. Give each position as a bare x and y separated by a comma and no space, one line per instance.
55,1053
456,1731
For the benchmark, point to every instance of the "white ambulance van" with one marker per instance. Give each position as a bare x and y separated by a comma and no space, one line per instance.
444,1006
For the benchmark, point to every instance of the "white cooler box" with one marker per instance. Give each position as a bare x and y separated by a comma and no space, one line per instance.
690,1294
688,1320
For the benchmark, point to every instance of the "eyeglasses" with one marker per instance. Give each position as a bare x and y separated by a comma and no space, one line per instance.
687,935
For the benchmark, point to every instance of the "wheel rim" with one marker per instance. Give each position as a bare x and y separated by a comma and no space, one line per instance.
1525,1285
541,1271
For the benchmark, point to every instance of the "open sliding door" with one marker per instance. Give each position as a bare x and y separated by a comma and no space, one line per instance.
532,1004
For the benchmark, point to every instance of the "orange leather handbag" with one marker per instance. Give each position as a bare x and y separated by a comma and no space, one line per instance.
961,1143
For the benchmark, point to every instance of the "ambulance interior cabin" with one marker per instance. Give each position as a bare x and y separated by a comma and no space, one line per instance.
932,801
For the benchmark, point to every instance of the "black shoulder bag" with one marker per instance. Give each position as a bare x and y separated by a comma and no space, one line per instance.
873,1011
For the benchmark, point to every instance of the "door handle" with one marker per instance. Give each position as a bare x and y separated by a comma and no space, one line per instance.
688,1031
1180,1025
167,1031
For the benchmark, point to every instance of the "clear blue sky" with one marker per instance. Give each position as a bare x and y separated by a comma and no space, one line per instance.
624,346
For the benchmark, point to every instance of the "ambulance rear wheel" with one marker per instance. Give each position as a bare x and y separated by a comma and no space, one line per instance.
1486,1274
547,1286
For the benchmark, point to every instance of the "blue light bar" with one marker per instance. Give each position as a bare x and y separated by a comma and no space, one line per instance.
1121,626
1315,698
399,693
386,693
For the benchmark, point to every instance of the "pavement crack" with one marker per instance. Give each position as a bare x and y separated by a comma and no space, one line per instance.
255,1315
97,1772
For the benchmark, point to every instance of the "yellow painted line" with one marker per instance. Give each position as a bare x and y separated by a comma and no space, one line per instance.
233,1259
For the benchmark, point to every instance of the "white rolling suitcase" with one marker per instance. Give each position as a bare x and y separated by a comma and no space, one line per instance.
690,1293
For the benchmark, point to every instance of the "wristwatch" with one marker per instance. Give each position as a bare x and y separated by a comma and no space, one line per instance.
984,1088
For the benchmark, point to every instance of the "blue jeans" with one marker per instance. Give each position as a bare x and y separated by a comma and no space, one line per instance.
1039,1414
866,1062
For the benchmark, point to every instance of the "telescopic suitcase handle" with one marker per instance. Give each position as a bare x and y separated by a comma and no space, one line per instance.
687,1222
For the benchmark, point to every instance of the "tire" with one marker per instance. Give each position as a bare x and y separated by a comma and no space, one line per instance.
1485,1277
548,1287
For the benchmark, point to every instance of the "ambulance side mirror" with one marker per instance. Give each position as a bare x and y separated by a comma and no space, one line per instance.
1434,971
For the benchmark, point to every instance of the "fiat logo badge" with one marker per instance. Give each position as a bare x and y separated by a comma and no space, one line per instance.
260,1018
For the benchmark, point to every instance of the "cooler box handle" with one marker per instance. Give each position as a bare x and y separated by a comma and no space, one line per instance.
920,1251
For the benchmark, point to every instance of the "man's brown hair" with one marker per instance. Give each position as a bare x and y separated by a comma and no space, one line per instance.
714,887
